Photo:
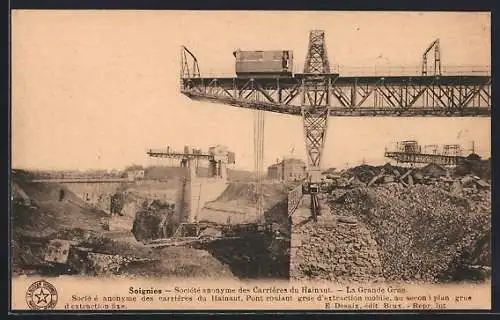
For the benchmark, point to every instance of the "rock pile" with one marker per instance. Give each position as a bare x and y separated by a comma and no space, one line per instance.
422,231
430,174
340,252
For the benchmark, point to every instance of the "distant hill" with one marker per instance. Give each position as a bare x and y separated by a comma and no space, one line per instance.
164,173
22,174
241,175
49,207
161,172
61,174
151,173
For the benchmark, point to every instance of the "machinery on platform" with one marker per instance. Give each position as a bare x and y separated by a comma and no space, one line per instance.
409,146
263,63
410,151
262,84
218,158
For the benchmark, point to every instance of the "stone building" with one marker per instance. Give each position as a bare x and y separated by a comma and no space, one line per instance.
287,169
135,174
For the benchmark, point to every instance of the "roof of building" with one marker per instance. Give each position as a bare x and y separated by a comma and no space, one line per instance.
287,160
293,160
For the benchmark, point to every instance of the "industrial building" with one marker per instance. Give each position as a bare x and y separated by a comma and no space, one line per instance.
135,174
287,169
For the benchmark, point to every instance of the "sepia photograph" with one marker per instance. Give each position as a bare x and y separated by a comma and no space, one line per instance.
349,149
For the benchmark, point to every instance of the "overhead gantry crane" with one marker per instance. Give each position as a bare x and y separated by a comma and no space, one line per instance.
318,93
411,152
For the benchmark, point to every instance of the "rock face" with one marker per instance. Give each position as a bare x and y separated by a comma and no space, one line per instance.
154,221
237,204
334,249
43,219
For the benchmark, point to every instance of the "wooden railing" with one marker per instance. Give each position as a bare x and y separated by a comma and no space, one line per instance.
294,198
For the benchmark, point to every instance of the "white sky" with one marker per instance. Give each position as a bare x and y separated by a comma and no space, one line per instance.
95,89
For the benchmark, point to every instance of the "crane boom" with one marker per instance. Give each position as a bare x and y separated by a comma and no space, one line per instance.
192,71
437,58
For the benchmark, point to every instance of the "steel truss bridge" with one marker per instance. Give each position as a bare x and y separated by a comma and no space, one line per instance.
317,93
162,153
446,160
353,96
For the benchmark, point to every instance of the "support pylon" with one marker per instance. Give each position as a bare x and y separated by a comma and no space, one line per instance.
315,110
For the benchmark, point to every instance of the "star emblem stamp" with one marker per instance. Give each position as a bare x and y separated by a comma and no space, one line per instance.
41,295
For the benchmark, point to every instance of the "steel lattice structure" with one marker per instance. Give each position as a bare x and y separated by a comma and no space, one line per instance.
317,58
315,98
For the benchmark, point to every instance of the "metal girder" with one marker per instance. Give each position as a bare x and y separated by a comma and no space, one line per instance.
159,153
352,96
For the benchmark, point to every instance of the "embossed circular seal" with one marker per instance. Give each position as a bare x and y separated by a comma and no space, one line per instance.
41,295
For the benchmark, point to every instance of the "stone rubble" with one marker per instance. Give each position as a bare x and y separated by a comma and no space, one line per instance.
400,224
422,231
334,249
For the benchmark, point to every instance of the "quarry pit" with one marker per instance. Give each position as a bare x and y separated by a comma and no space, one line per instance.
435,230
119,225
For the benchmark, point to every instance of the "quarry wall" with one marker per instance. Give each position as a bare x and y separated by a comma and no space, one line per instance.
97,194
203,190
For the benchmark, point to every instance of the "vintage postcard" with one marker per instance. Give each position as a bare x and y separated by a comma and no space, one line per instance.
250,160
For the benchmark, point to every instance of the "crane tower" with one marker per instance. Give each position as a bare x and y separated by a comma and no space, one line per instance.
315,101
